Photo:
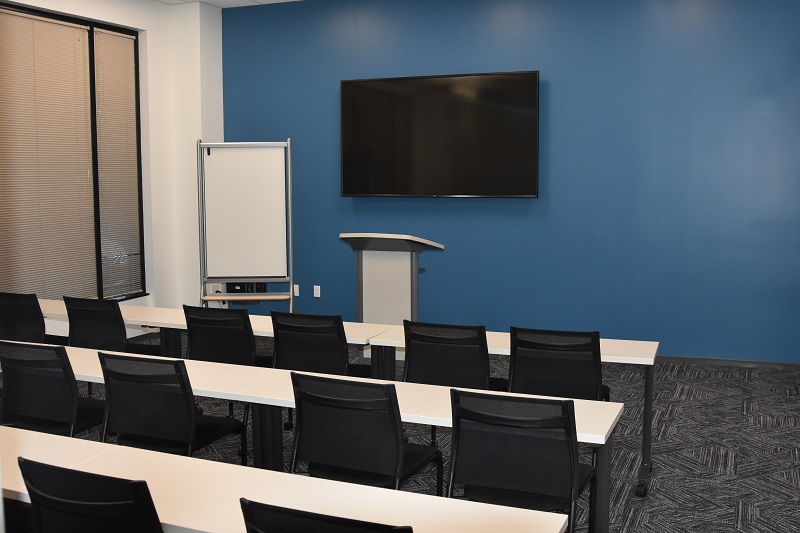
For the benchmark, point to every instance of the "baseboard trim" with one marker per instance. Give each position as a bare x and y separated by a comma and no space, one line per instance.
727,362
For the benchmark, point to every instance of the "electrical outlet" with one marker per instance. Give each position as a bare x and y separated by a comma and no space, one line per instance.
297,290
316,291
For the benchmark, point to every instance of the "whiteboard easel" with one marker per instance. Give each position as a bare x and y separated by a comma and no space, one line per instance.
245,216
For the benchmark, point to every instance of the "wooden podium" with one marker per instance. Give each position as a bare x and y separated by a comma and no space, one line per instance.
387,271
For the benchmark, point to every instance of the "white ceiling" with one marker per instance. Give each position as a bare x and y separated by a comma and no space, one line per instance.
225,3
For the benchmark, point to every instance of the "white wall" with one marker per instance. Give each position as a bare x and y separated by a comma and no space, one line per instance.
180,51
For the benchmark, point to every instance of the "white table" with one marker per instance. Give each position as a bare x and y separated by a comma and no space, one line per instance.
171,321
627,352
430,405
195,495
270,389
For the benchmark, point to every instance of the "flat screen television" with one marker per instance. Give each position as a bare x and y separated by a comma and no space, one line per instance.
459,135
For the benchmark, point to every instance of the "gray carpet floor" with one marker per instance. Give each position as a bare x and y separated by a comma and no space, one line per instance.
726,448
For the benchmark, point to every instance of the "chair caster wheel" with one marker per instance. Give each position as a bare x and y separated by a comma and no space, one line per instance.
288,425
641,490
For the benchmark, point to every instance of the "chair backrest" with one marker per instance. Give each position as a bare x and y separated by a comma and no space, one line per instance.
310,343
39,389
220,335
21,318
265,518
556,363
95,324
449,355
514,443
149,398
347,424
69,501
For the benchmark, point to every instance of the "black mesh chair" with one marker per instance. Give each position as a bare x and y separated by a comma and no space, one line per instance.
21,318
312,343
220,335
517,451
557,363
351,431
149,404
448,355
98,324
265,518
40,392
95,324
69,501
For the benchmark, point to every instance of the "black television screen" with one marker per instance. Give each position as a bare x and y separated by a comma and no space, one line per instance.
461,135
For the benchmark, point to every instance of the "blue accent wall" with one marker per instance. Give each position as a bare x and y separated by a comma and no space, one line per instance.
669,203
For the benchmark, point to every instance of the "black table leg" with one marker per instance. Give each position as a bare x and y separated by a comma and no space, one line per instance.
600,503
170,342
383,362
267,437
647,435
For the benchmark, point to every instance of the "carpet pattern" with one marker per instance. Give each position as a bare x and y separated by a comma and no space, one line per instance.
726,448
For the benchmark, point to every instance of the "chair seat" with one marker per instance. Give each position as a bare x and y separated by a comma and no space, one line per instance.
264,361
528,500
359,370
90,414
498,384
415,458
141,348
207,430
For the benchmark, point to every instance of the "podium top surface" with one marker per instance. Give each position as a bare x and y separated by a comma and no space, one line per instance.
389,242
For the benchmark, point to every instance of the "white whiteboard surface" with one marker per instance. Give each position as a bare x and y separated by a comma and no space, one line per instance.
245,211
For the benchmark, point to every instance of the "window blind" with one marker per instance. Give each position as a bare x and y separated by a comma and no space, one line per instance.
47,231
117,163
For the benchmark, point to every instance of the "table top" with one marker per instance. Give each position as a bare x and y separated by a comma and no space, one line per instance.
611,350
430,405
165,317
499,343
419,403
203,496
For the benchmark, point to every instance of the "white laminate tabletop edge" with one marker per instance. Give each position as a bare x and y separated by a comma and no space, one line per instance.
610,427
629,352
362,333
45,448
196,508
393,336
393,236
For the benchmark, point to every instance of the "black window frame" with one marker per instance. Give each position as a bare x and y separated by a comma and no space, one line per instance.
92,25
